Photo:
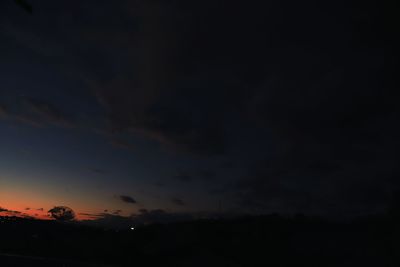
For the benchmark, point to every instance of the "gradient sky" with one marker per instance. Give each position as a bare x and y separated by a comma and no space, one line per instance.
120,106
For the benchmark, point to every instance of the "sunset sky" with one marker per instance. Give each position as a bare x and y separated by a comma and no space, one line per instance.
117,107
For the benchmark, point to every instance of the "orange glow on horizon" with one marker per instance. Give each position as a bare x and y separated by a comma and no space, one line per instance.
34,201
39,215
15,200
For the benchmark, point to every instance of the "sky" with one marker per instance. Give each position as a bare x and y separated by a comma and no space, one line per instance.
121,108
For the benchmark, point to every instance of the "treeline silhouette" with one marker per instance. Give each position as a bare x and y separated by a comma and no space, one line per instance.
271,240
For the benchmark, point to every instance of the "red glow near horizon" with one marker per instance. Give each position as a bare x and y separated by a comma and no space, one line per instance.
20,201
38,206
40,215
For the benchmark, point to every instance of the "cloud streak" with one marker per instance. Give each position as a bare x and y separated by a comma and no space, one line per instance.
7,212
49,113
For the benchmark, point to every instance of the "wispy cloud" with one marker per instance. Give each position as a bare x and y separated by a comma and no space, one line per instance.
49,113
37,113
7,212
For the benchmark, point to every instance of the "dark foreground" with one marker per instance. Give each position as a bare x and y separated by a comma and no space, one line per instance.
252,241
20,261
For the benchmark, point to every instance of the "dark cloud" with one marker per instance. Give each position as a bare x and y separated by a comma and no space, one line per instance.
127,199
40,209
27,208
321,184
191,84
313,90
166,124
178,201
300,96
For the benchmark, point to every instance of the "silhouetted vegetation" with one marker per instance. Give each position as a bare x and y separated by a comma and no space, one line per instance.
61,213
248,241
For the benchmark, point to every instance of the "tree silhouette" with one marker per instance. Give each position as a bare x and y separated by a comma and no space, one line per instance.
62,213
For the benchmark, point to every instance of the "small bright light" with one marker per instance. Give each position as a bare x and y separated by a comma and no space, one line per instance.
132,228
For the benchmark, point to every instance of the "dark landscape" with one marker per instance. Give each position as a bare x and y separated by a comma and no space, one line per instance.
270,240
